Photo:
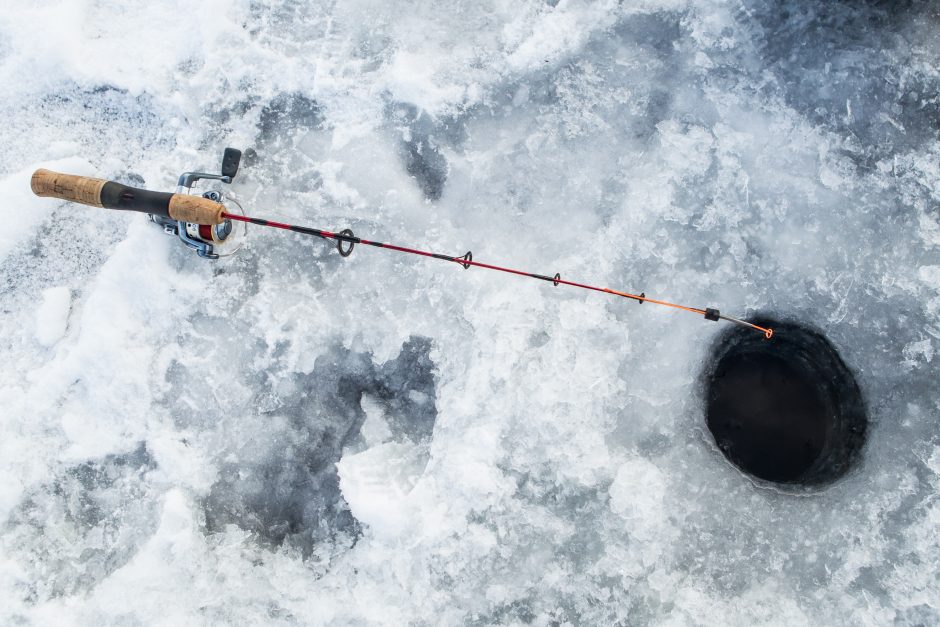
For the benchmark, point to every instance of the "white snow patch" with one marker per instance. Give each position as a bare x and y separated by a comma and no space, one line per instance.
558,32
90,435
414,78
636,495
52,316
181,463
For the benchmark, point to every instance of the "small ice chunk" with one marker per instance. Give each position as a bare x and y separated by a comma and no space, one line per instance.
53,314
930,275
636,495
914,352
418,398
934,463
375,429
376,484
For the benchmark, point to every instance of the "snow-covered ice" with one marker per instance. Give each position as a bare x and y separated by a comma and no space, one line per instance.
289,437
52,316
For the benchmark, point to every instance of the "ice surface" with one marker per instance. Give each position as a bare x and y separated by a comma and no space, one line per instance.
289,437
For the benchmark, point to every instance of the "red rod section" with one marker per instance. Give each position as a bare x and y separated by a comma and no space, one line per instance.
467,261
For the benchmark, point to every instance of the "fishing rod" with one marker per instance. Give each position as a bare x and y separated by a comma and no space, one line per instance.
205,224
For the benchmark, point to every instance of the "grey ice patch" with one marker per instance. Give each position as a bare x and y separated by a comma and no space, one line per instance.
288,114
581,508
657,35
420,149
70,534
838,63
406,385
88,110
66,249
657,32
280,482
621,86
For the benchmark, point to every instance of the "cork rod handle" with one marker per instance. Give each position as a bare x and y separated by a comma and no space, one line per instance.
80,189
112,195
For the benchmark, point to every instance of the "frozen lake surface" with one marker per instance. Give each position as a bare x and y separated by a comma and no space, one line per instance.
288,437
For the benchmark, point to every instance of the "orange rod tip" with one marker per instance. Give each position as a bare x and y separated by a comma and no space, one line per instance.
768,333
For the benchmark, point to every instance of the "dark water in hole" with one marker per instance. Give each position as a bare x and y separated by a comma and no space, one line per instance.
786,410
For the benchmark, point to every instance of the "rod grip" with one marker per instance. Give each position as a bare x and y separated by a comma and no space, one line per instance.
112,195
81,189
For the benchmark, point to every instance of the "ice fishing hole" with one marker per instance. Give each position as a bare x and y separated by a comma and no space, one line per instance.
786,410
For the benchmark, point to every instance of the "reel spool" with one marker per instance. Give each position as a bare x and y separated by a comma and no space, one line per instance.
217,240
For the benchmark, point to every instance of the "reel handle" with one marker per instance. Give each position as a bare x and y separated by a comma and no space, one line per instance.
111,195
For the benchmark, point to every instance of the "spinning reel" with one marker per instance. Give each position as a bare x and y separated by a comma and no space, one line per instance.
210,241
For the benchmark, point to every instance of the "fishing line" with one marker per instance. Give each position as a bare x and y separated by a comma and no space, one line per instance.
466,261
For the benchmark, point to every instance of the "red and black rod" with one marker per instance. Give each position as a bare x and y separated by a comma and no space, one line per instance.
467,261
203,211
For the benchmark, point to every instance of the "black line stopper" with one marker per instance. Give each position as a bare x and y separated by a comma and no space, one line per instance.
712,314
339,243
